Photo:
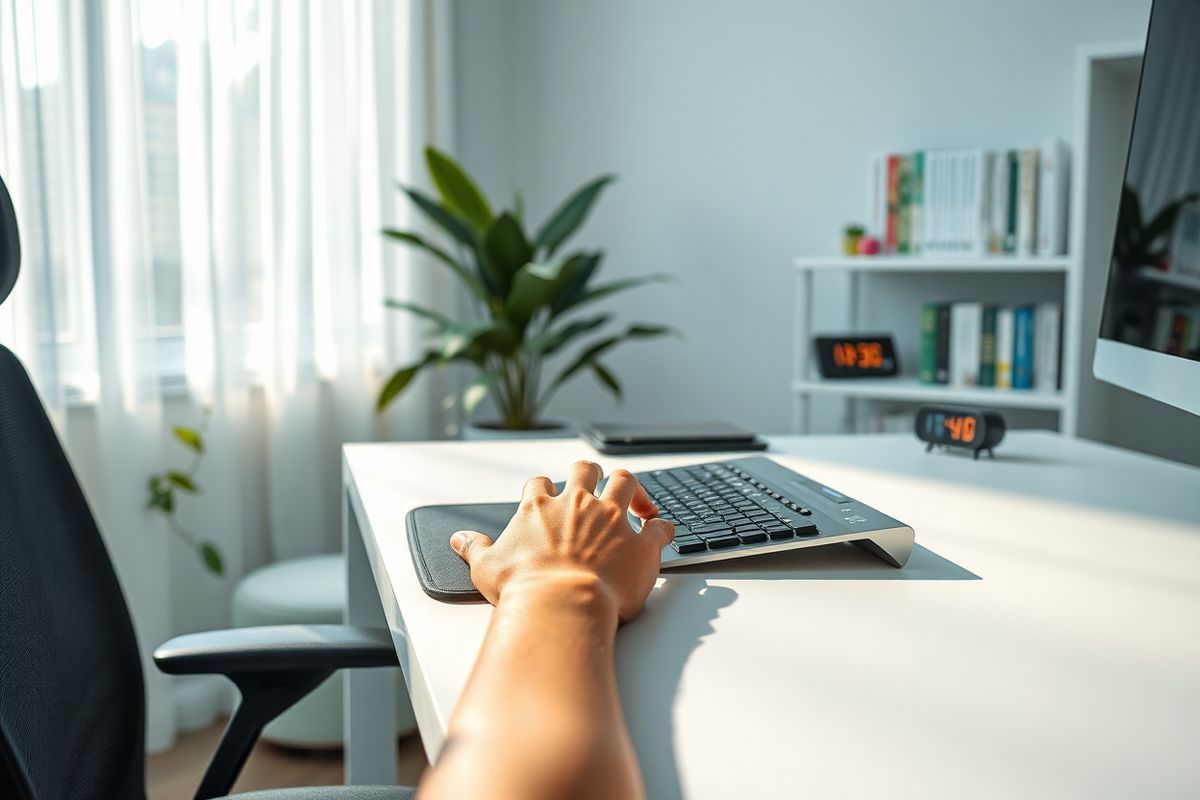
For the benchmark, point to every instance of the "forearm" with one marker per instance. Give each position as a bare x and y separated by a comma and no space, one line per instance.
540,716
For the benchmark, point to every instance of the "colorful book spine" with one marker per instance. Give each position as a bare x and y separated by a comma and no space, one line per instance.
987,347
917,202
1047,355
966,323
1004,348
1023,334
927,362
942,372
904,235
891,237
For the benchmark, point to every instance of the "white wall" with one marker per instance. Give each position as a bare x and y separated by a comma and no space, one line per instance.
741,134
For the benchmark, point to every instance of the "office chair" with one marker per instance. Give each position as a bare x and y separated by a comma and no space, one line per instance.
72,701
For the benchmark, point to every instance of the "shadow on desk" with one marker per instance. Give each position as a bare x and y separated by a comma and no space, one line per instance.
648,694
835,562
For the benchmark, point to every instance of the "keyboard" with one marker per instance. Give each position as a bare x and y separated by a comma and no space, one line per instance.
749,506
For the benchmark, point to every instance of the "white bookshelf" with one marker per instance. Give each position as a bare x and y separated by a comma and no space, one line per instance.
895,309
908,389
885,292
917,264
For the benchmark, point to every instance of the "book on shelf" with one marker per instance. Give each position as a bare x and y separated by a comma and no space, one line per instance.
971,344
965,329
1027,196
941,372
1004,348
1022,347
987,347
1053,185
927,360
972,201
1047,342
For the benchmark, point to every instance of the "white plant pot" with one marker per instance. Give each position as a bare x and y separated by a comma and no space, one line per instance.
489,431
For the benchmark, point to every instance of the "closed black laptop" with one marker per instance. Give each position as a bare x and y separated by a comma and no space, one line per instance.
674,437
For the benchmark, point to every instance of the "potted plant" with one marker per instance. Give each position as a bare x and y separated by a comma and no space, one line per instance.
851,236
163,488
527,295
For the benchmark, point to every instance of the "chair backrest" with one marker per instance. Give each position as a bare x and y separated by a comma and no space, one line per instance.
71,695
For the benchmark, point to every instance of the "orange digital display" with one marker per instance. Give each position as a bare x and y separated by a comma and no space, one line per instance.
857,355
961,429
861,355
978,431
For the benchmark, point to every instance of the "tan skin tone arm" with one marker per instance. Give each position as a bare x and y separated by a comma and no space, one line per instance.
540,717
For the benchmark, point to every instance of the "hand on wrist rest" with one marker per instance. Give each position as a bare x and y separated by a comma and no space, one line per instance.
573,545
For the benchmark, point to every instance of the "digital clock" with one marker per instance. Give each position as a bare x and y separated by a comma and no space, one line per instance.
970,429
856,356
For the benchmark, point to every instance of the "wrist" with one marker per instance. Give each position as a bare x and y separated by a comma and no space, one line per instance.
573,592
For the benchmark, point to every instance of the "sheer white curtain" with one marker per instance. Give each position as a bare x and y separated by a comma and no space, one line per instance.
200,185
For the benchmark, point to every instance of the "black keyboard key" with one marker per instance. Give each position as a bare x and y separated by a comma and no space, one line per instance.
689,544
779,532
806,512
718,542
716,527
752,537
805,528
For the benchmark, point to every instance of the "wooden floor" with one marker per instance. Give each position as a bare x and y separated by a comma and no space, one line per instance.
175,774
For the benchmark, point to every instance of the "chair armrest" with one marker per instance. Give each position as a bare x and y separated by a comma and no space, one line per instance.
277,649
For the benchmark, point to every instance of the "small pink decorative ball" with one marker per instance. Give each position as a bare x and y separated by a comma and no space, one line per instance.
868,246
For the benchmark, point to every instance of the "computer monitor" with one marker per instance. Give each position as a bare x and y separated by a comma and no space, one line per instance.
1150,329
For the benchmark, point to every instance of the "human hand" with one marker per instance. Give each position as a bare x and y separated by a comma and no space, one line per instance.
574,540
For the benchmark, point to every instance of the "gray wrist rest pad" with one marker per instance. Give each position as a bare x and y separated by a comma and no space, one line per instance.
443,575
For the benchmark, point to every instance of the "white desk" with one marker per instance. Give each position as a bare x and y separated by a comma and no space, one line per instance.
1042,642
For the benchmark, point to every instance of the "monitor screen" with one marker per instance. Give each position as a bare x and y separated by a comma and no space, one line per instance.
1153,293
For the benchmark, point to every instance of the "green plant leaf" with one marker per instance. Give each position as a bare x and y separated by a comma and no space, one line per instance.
569,216
164,501
518,209
190,437
552,341
535,286
212,558
577,283
446,220
458,192
606,289
643,331
472,283
183,481
499,339
440,319
607,379
505,250
160,492
460,335
400,380
476,391
588,357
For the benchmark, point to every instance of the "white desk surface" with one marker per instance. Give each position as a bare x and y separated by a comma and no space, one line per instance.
1042,642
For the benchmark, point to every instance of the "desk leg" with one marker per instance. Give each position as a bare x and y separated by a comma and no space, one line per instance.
370,694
